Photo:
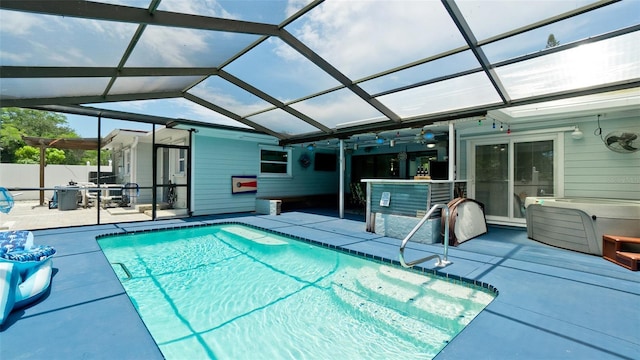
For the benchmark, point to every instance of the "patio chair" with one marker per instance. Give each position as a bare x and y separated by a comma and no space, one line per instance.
6,200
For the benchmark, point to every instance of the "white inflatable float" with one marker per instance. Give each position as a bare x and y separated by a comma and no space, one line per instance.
466,220
25,271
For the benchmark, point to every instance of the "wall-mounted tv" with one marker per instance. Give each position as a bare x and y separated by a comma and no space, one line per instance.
325,162
439,170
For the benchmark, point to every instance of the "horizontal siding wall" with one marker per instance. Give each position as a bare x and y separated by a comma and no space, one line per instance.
217,159
592,170
144,172
304,181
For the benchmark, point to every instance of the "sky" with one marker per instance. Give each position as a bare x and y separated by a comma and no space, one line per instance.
87,126
336,30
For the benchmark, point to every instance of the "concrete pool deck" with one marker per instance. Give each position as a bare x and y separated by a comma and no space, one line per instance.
552,303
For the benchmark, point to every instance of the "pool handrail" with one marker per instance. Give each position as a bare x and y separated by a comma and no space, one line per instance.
441,262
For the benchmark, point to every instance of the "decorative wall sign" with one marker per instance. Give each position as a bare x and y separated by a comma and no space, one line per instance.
244,184
305,160
385,198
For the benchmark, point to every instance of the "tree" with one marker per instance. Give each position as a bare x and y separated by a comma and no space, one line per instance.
551,41
92,157
27,155
16,122
31,155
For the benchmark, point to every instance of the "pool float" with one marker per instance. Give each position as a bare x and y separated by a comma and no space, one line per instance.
25,271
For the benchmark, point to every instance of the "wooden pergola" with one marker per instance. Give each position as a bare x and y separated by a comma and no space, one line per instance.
63,144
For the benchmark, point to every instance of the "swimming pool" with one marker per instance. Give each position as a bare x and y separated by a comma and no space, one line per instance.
235,292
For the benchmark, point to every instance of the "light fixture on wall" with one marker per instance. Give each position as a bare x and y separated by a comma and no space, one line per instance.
311,147
392,142
577,134
431,145
428,135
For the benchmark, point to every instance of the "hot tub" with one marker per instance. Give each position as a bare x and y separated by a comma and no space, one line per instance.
579,223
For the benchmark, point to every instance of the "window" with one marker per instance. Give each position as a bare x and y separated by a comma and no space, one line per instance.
275,161
127,162
182,154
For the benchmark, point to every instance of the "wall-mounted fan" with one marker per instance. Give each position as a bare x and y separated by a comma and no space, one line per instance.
622,141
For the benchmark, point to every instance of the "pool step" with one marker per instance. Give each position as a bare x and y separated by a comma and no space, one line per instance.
622,250
428,299
256,236
417,329
431,291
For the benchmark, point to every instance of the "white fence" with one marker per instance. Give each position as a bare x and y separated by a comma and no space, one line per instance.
28,176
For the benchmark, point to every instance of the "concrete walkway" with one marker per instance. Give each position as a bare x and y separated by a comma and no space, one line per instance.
552,303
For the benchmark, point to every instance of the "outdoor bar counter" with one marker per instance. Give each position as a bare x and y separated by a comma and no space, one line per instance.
394,207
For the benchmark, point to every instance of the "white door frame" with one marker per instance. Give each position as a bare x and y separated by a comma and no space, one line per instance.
556,135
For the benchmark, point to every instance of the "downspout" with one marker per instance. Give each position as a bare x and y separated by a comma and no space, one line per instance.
452,149
134,160
342,169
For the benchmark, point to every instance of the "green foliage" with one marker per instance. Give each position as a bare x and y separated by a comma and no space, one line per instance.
18,122
31,155
92,157
55,156
551,41
27,155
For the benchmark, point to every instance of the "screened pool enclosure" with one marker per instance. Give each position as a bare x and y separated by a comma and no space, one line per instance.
309,70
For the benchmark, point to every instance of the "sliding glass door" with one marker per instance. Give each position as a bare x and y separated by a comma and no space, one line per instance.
503,171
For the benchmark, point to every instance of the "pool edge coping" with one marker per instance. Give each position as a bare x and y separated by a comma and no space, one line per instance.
380,259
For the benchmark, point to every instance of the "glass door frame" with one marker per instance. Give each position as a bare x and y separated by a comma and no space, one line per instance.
158,149
503,138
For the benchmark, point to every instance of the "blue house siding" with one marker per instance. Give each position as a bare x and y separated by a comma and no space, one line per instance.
303,181
216,159
592,170
589,168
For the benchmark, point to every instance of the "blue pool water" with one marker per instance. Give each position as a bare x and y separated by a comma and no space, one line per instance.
235,292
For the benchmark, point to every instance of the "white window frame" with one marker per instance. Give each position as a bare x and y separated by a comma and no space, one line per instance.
181,159
554,134
274,148
127,162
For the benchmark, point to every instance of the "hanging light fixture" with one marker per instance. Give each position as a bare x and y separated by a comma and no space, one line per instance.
428,135
577,134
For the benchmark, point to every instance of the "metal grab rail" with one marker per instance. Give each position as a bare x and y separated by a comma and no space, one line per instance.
124,268
441,262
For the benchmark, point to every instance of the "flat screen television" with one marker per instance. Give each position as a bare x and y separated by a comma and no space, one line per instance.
325,162
439,170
